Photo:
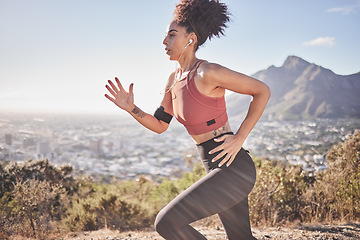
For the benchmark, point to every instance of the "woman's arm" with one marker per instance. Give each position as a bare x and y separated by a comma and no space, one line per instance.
125,100
217,76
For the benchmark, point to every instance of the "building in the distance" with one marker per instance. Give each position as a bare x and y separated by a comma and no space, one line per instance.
43,149
8,139
95,146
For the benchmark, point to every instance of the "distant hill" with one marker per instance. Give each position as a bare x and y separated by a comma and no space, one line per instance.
303,90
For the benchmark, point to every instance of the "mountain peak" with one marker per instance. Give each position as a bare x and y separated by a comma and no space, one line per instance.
294,62
300,89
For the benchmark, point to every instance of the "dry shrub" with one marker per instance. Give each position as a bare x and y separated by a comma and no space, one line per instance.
336,193
32,197
33,208
286,193
277,195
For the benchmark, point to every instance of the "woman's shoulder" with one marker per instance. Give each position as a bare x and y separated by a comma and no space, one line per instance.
208,68
171,78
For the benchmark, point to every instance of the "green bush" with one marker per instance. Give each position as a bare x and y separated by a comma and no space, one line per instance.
104,208
107,211
169,189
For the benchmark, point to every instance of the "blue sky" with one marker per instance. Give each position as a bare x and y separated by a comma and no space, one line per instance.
57,55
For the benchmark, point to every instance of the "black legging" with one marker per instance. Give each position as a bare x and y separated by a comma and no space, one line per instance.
223,191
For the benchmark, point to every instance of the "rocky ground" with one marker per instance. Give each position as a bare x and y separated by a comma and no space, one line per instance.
350,231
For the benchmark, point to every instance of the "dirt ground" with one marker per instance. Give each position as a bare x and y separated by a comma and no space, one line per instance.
350,231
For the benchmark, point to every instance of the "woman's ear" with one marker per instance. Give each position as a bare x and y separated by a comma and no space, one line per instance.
193,37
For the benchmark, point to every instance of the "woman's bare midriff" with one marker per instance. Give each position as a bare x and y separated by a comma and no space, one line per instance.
209,135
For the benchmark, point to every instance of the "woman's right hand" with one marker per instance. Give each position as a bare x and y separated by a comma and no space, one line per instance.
122,99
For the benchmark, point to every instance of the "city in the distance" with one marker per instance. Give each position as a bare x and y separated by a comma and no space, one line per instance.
116,146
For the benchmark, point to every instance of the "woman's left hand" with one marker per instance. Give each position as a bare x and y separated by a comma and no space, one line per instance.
230,147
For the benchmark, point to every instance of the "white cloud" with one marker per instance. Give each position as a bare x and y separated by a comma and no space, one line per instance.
321,41
345,10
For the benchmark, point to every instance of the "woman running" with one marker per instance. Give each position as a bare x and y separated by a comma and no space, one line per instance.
194,94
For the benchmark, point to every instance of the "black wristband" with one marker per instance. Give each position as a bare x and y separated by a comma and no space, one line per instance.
161,115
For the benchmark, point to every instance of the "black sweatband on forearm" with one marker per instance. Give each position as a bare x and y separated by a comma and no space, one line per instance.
161,115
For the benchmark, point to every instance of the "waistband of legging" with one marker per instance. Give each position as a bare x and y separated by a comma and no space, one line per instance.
212,139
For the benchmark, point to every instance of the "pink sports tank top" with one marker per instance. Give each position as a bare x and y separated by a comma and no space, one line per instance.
197,112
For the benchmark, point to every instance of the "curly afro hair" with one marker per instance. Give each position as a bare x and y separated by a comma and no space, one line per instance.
206,18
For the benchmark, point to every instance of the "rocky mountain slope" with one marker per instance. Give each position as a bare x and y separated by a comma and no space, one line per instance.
302,90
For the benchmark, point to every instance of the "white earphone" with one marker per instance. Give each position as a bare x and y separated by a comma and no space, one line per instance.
190,42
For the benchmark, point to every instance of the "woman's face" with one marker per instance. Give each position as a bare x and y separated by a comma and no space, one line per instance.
175,40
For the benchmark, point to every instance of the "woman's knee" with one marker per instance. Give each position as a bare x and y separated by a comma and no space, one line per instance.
166,221
162,223
158,224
